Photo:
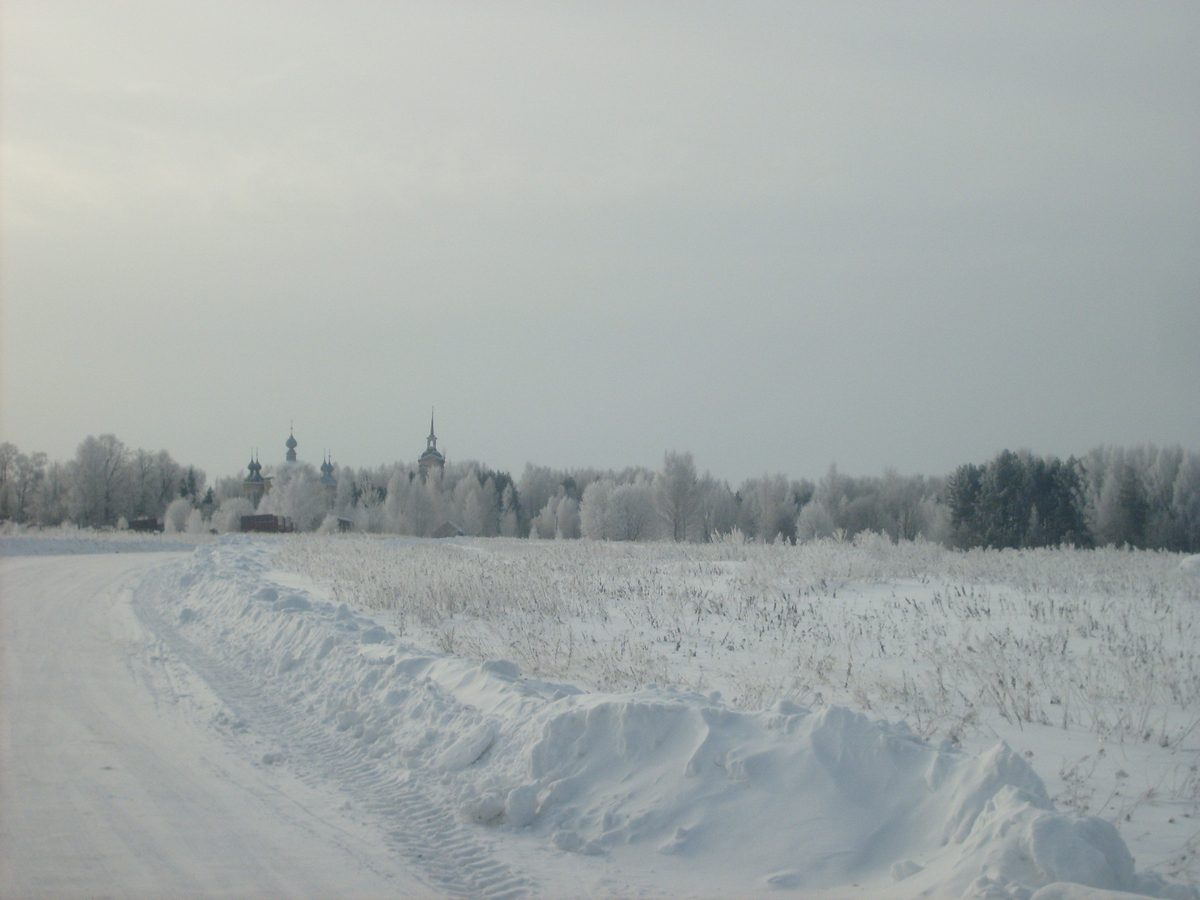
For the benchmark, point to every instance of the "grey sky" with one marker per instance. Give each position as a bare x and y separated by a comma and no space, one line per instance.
776,235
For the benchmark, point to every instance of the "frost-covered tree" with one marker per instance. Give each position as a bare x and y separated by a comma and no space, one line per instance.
100,484
814,522
567,515
903,507
537,485
8,458
632,512
25,478
1121,508
510,512
154,479
297,495
52,497
769,507
1185,502
370,496
470,513
677,495
559,518
343,499
396,506
717,512
901,510
425,508
228,488
1163,528
593,510
473,498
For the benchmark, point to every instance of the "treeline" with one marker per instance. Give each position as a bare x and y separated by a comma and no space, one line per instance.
105,484
1019,501
1146,497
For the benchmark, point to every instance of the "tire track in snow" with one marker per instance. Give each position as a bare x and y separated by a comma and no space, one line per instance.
425,834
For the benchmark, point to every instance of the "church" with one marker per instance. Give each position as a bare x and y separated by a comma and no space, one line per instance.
432,460
256,485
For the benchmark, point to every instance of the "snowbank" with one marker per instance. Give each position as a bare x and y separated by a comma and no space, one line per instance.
712,798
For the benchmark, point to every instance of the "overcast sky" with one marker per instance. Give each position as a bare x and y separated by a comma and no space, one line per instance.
775,235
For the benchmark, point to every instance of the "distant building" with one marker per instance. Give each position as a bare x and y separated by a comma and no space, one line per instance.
268,523
291,443
448,530
255,486
431,459
328,482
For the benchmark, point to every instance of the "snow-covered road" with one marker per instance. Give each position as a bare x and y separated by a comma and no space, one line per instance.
110,788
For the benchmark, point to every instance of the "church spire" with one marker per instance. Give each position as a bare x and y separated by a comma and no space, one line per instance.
291,443
431,458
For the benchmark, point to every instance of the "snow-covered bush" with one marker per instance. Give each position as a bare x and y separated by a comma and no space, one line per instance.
228,516
175,519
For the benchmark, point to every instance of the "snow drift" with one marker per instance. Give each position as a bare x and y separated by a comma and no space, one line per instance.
720,801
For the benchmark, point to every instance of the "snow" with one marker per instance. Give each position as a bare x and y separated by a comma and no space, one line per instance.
479,779
113,787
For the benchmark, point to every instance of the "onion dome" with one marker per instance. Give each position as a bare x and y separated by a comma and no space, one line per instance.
327,478
255,469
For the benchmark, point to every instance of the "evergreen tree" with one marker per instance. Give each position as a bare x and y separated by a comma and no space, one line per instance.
962,496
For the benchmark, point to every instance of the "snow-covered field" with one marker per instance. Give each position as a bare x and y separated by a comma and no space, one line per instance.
494,718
